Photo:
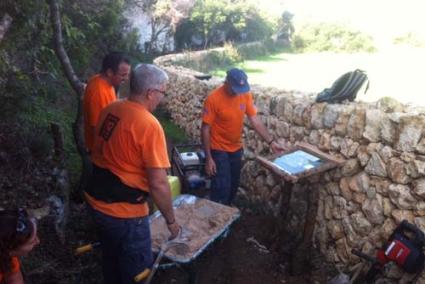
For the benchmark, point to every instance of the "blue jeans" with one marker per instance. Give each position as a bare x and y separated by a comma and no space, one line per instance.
126,247
225,183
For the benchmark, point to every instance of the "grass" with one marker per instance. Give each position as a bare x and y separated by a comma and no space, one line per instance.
395,72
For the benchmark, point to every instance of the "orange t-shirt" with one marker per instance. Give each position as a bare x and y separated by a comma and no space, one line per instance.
99,93
128,140
225,113
15,267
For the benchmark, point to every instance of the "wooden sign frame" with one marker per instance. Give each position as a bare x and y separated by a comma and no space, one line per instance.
329,162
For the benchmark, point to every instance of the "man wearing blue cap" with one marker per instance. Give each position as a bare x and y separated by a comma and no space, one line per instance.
222,125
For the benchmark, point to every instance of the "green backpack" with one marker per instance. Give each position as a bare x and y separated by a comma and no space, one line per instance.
344,88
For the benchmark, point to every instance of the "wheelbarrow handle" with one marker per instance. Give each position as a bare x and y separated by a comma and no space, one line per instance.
142,275
86,248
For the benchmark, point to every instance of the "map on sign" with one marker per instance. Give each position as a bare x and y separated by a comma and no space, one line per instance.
297,162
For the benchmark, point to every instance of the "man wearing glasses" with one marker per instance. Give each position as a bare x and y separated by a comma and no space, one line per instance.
130,161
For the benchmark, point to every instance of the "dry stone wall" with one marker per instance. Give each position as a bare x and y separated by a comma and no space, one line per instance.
381,183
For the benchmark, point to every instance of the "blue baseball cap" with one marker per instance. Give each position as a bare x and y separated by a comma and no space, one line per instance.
238,80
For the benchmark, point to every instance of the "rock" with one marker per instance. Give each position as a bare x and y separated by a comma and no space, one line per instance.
349,148
335,229
370,192
421,146
328,207
360,224
397,171
363,155
359,182
388,130
336,143
352,237
341,123
386,153
283,129
298,114
314,137
388,207
317,115
374,211
325,142
330,115
339,207
282,101
420,222
380,184
360,198
356,124
332,188
288,112
410,132
400,215
419,187
342,250
388,228
388,104
376,166
345,189
373,125
401,197
351,167
296,133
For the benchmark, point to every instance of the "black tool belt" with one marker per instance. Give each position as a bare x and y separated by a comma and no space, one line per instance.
107,187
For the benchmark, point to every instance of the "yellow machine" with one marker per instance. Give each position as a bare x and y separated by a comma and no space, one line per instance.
175,188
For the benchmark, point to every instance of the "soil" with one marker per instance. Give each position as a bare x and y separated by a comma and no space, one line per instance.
250,253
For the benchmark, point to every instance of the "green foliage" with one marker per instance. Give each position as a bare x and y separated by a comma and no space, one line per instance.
410,39
173,133
331,37
214,22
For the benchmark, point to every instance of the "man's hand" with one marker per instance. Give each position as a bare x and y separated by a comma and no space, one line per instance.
210,167
174,229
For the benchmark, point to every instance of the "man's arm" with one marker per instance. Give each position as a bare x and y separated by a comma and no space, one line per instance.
259,127
159,189
210,167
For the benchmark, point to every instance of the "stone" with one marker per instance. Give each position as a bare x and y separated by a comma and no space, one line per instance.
352,207
335,229
349,148
387,206
336,143
339,207
283,129
328,207
401,197
397,171
352,237
270,180
400,215
332,188
376,166
330,115
410,132
386,153
282,101
370,192
374,147
296,133
288,112
380,184
420,148
345,189
373,210
356,124
359,182
325,142
360,224
388,130
360,198
342,250
420,222
350,168
317,115
388,228
373,125
341,123
419,187
298,114
314,137
407,157
363,155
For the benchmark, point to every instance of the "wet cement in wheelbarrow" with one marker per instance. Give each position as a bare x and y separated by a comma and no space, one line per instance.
201,222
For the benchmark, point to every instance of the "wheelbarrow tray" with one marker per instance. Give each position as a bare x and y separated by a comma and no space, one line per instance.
203,221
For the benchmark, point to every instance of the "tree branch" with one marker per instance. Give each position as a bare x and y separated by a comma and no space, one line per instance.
5,24
76,84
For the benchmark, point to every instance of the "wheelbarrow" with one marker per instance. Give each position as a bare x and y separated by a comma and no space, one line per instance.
203,222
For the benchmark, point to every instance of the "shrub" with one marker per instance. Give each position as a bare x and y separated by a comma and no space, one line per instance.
331,37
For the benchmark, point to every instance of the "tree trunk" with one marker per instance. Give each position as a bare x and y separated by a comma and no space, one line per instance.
78,87
5,24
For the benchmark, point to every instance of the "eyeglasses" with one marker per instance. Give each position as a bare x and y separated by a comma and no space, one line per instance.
22,226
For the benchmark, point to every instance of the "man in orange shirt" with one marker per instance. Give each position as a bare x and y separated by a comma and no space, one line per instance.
100,91
221,131
129,162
